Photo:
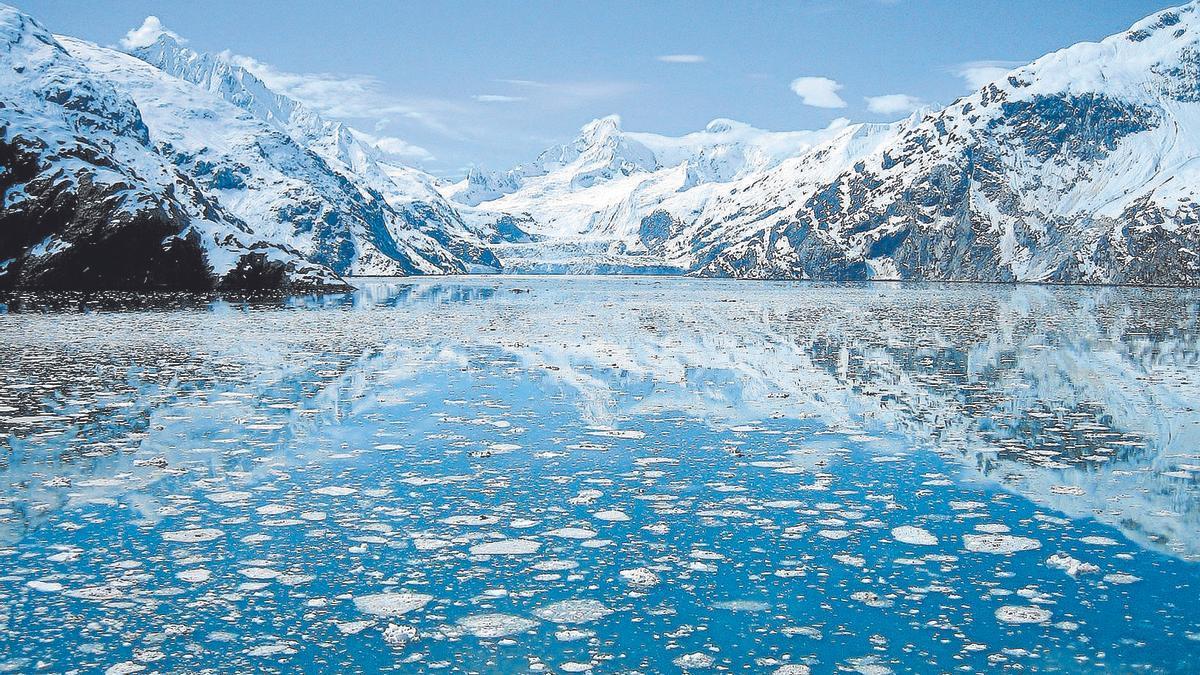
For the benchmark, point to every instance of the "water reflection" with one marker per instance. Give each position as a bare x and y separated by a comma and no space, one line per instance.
853,408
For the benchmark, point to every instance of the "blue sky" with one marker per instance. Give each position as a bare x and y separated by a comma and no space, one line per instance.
449,84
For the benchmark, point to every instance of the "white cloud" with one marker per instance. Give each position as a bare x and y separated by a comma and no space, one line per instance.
681,58
893,104
979,73
398,147
572,94
497,98
147,34
393,147
819,92
348,96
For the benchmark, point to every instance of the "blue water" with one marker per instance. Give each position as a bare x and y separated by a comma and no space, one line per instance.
410,477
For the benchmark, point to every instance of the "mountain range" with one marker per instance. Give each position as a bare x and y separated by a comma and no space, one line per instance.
162,167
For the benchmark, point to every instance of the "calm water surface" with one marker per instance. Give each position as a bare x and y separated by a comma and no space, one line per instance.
605,475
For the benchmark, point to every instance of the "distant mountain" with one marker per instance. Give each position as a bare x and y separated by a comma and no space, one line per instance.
1080,167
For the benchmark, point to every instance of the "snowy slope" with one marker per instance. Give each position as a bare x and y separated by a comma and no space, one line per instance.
1080,167
88,202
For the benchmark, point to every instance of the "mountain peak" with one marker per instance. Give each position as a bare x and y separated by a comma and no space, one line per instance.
151,31
722,125
600,128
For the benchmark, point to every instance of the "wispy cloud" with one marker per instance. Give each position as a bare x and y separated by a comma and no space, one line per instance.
394,147
978,73
146,34
819,92
350,96
893,104
569,94
682,58
497,98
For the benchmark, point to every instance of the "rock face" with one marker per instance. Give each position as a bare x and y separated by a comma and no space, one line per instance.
1080,168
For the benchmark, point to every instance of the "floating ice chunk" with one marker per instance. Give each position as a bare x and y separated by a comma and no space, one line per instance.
640,576
1070,565
555,565
472,520
1001,544
192,536
354,627
1121,578
507,547
124,668
628,434
194,576
694,660
228,496
870,599
572,533
398,636
784,504
573,611
431,544
612,516
292,579
573,634
743,605
1099,541
100,593
44,586
335,491
907,534
273,649
834,534
496,625
1022,614
793,669
259,573
391,604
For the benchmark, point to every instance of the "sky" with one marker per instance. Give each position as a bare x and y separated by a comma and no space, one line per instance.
450,84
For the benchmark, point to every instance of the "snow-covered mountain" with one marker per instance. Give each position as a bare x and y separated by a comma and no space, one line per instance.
1080,167
172,168
88,201
401,223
